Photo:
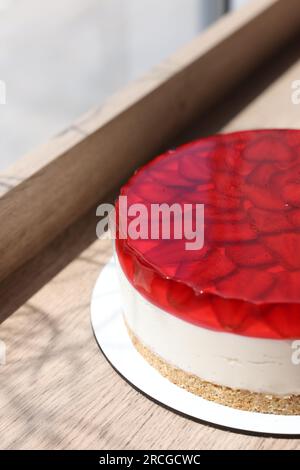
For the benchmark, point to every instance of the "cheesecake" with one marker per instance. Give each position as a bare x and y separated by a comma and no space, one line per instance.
218,315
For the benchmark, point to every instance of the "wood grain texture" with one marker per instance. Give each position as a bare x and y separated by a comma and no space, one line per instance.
51,188
57,390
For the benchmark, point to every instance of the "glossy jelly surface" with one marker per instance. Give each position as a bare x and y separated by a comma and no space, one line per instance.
246,278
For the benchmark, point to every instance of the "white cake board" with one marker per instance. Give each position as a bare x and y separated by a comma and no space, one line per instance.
113,340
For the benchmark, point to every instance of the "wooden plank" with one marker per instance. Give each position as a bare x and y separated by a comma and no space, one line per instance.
50,189
57,390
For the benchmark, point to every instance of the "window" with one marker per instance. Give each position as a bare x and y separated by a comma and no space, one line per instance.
61,57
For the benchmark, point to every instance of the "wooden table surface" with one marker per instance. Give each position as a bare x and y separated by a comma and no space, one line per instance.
57,390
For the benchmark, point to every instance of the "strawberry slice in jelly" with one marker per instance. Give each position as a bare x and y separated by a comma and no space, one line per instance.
253,255
194,169
285,322
291,194
227,159
212,198
213,214
285,247
234,318
246,278
231,232
214,266
287,286
179,295
293,217
264,198
268,221
171,251
261,174
168,173
229,184
269,148
241,284
154,192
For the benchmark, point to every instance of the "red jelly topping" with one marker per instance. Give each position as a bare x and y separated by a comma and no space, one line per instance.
246,278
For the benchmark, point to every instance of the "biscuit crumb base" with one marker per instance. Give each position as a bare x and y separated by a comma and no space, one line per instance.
234,398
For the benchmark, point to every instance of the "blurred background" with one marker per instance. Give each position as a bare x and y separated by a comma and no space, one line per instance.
59,58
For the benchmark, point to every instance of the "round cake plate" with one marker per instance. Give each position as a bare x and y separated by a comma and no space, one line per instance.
112,337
